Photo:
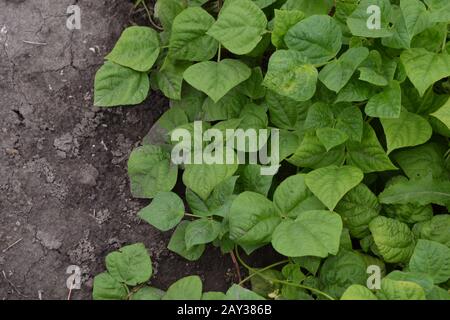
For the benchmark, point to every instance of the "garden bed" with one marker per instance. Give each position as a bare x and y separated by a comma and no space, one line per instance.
64,193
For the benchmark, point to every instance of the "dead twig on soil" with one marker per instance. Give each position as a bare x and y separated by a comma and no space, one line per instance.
12,285
35,43
12,245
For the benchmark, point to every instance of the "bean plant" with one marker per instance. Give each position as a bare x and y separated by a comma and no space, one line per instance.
359,94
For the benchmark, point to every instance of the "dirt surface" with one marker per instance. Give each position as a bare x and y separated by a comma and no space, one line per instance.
64,194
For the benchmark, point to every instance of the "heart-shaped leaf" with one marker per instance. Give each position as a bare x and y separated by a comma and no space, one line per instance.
331,183
313,233
240,26
217,78
291,75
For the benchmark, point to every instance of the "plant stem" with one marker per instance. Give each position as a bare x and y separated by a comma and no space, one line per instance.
301,286
219,53
240,259
133,290
236,266
445,40
279,281
128,291
150,17
193,215
259,271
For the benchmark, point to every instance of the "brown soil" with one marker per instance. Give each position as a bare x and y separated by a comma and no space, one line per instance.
64,194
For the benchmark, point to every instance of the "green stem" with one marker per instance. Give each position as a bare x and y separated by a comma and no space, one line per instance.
301,286
240,259
219,53
259,271
128,291
193,215
445,39
279,281
133,290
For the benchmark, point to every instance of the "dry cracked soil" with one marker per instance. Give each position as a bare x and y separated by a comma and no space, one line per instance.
64,193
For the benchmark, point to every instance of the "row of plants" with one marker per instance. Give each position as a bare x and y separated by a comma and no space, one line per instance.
363,116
